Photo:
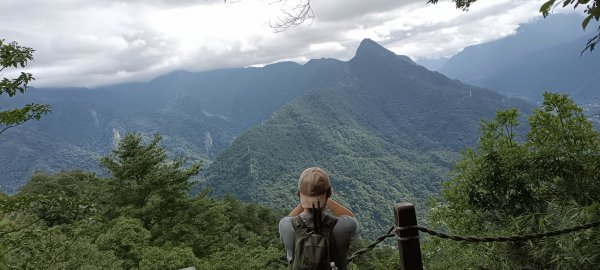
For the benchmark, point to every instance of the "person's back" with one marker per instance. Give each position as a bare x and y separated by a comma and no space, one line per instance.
314,189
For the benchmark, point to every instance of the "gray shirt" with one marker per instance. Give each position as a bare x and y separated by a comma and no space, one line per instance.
345,229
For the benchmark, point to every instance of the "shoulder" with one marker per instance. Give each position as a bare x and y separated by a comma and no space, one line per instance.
346,225
286,219
347,221
286,234
285,225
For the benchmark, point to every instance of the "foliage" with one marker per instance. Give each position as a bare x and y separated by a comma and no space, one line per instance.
232,257
388,136
143,184
126,238
74,220
159,258
62,198
505,187
51,249
592,11
380,258
377,141
13,55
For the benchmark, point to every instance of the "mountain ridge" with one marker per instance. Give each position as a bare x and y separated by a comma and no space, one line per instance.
541,56
390,134
197,113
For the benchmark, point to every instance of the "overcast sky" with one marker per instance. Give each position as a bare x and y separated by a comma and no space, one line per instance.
93,43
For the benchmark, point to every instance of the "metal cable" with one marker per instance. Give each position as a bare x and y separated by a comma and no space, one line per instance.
473,239
514,238
372,245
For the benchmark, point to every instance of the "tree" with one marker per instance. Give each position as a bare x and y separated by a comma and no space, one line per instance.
48,224
144,184
140,218
504,187
53,249
14,56
295,15
62,198
127,237
161,258
592,11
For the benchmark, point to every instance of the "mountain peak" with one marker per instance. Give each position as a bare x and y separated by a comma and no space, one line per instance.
369,47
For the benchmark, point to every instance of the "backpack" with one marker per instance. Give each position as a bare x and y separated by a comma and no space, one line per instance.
314,248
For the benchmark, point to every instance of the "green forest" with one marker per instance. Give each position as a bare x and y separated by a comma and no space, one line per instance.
549,181
384,128
139,218
142,216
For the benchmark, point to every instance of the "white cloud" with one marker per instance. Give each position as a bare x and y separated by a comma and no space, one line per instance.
327,47
92,43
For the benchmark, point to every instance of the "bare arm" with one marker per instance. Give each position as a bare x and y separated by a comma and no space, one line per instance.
337,209
296,211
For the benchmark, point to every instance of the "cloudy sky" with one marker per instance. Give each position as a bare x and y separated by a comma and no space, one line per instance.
93,43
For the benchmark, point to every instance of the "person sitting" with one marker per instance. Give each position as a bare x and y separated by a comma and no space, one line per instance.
309,223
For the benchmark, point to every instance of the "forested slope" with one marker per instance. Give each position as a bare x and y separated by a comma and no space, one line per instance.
141,217
389,135
197,113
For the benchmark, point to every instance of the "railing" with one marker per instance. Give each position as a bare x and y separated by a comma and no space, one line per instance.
406,232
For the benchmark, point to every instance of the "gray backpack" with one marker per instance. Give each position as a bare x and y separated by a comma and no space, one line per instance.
314,246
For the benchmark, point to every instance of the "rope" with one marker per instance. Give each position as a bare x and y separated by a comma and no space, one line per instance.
372,245
473,239
514,238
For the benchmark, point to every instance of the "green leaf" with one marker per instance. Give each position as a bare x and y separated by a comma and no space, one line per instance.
545,8
586,21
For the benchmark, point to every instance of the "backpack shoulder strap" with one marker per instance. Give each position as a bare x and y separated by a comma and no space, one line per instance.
327,226
298,223
329,222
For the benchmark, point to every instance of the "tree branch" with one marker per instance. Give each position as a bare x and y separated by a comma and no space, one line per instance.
294,17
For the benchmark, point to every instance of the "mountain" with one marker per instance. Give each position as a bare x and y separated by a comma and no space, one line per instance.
388,134
198,115
385,128
433,64
543,55
556,69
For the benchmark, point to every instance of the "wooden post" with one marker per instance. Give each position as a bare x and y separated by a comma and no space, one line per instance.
408,241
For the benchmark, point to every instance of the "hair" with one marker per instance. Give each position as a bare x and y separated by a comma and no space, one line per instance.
316,216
